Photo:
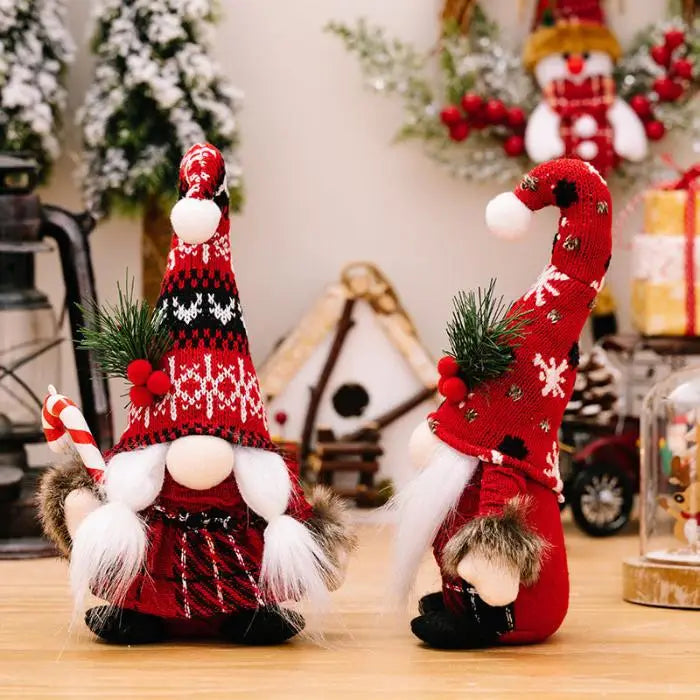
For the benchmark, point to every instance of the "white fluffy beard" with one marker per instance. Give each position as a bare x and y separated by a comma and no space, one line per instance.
110,545
294,565
422,507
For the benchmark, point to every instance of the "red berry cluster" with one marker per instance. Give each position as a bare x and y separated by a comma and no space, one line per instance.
148,384
475,112
450,385
668,88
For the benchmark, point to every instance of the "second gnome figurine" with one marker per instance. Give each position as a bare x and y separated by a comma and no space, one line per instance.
193,523
487,495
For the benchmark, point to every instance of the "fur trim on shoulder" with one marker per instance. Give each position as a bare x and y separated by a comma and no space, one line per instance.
330,524
499,538
56,483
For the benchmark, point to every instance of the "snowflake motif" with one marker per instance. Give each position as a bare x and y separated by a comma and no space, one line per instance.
221,388
598,285
553,471
543,286
552,375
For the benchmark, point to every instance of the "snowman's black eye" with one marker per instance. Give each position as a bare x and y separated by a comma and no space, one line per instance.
678,498
586,56
350,400
566,56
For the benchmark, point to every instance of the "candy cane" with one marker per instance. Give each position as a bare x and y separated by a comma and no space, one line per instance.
65,429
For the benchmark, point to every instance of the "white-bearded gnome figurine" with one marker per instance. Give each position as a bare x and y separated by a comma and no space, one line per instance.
572,53
193,524
487,496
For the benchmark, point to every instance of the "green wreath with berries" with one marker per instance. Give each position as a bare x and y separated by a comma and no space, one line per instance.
473,118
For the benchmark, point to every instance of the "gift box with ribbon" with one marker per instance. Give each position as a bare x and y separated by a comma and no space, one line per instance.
666,259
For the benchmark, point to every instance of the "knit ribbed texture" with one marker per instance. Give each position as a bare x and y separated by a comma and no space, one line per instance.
514,419
215,388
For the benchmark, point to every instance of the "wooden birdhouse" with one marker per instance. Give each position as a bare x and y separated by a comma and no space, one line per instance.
352,381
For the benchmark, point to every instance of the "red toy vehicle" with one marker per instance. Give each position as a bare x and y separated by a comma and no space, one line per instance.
602,477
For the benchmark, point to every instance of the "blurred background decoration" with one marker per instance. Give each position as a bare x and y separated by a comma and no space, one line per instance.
30,344
474,103
155,92
35,53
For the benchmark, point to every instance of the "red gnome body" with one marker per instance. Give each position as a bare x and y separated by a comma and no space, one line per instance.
197,524
487,496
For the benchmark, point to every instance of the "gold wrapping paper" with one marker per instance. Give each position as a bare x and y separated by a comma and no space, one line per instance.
664,212
658,308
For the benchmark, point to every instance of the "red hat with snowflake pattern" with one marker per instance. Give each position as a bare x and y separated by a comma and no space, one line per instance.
513,417
213,385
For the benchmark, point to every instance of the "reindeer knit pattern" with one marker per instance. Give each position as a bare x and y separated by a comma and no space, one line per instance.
215,388
514,419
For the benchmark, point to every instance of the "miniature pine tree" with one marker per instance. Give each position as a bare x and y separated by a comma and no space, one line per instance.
35,50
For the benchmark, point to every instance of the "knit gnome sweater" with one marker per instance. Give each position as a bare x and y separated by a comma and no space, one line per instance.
513,419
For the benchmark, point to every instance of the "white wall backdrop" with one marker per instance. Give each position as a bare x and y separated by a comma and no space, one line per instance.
324,185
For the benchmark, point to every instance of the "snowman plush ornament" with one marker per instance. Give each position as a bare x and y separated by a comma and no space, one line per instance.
572,54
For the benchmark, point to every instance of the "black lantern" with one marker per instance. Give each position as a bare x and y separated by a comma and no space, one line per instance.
30,344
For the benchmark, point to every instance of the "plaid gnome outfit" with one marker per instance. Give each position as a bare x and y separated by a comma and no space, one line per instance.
508,425
571,101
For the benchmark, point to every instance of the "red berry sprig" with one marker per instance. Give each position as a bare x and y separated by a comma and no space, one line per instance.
450,385
671,86
148,385
475,112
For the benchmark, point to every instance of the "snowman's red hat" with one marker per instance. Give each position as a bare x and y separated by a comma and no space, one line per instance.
569,26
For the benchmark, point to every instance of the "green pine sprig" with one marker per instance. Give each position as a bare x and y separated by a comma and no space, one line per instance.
482,336
122,332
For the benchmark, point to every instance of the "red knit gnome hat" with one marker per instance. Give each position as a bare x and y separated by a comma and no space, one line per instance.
514,417
214,387
569,26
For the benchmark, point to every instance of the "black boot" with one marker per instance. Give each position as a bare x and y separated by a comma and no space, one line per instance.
432,602
480,625
262,627
119,626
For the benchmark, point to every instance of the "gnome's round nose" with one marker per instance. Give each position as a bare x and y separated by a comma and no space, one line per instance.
199,462
196,216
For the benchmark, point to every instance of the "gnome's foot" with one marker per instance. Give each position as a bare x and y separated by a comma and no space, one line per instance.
433,602
481,625
262,627
119,626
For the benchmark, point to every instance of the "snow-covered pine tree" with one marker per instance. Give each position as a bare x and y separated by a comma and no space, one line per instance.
155,93
35,49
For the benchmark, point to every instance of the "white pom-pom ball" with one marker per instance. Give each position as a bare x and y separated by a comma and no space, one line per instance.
585,126
588,150
199,462
195,220
507,216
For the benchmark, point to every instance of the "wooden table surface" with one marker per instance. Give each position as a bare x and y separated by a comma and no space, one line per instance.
606,647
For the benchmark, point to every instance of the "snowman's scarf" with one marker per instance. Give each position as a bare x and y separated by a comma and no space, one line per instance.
594,97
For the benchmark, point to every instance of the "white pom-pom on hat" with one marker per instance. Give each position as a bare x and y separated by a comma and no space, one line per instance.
195,220
507,217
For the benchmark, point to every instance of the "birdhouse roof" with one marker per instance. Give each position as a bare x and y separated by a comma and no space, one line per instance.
360,281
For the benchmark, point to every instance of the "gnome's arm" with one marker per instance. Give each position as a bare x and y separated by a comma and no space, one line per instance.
67,494
496,551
